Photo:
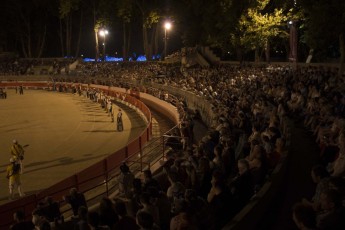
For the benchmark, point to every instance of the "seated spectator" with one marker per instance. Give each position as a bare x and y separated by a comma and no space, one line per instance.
338,184
278,152
258,170
339,163
75,199
332,214
320,177
267,145
220,201
242,186
20,222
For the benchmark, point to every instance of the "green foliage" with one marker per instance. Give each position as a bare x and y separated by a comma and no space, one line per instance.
257,27
125,10
67,6
151,19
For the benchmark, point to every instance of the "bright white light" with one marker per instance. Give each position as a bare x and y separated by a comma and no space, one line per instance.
103,33
290,22
167,25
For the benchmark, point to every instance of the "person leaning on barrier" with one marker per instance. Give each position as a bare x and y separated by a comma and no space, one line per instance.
13,174
75,199
51,211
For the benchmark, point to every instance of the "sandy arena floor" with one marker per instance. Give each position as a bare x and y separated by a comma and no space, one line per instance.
65,133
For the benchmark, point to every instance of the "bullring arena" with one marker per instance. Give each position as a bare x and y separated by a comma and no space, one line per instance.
65,133
196,98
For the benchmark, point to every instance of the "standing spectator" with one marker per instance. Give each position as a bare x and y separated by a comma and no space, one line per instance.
51,211
21,223
21,90
183,218
145,221
75,199
149,207
82,221
176,189
125,180
134,199
125,221
149,181
111,111
14,174
119,121
93,219
38,219
304,216
107,214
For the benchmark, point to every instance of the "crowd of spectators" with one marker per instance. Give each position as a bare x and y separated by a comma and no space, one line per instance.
15,66
212,179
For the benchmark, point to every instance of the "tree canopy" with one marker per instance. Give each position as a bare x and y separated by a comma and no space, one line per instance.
38,28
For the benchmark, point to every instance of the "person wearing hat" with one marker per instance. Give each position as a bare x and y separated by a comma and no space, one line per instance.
13,174
17,151
119,121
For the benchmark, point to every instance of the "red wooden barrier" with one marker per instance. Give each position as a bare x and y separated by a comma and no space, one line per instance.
59,189
85,180
133,147
115,159
26,204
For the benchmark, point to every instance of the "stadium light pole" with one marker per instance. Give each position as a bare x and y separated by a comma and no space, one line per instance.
167,27
293,42
103,33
